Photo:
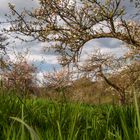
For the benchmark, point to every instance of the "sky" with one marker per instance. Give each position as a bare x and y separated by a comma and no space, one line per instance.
47,61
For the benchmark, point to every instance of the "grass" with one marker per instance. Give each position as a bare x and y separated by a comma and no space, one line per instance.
41,119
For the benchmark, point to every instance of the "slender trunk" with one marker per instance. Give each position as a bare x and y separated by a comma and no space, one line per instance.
121,92
122,99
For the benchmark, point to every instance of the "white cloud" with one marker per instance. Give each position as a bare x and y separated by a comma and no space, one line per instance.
49,59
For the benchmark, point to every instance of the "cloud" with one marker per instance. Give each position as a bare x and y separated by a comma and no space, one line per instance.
20,4
50,59
103,44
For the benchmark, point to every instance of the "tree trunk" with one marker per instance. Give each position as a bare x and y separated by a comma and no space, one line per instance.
122,99
121,92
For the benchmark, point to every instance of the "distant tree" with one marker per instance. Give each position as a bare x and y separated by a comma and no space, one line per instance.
69,25
119,73
58,79
20,76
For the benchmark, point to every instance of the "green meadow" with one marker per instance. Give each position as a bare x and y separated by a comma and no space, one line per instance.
43,119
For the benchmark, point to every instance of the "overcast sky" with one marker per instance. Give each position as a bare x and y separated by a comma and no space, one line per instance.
37,56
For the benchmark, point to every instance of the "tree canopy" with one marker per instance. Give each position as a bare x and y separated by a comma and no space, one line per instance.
70,24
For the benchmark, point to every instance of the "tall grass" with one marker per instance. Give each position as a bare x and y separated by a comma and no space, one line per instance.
40,119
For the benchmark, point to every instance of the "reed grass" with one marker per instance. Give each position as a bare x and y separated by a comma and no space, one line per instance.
41,119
